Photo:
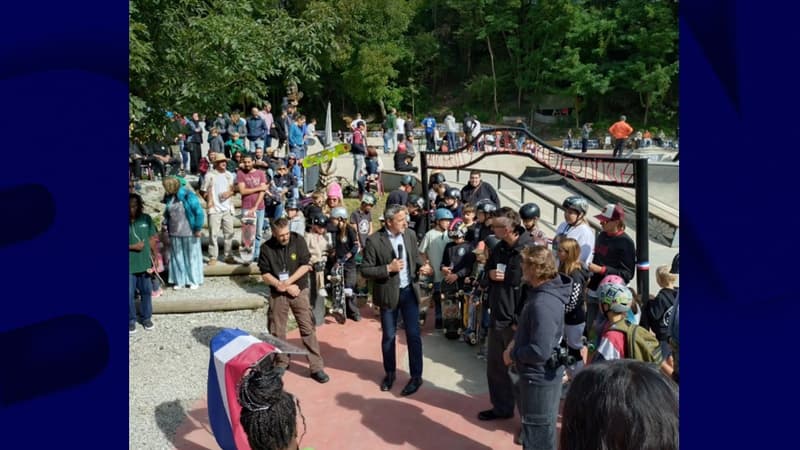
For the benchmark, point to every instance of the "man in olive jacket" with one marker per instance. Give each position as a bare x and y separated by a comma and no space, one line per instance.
392,260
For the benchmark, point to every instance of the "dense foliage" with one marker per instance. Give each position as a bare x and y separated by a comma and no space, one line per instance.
493,58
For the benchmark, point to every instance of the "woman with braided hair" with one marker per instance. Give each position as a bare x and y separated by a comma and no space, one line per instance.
269,414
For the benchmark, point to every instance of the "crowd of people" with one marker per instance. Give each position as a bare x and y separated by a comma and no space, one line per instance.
552,311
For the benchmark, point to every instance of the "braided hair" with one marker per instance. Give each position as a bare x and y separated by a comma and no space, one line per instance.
269,415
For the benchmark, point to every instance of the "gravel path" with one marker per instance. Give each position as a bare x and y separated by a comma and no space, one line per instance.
169,369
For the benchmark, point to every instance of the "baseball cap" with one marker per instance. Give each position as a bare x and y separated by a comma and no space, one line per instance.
611,212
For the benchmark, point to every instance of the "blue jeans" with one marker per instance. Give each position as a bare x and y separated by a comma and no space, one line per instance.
389,143
259,229
255,143
142,282
358,164
408,306
451,140
539,404
298,150
521,143
278,211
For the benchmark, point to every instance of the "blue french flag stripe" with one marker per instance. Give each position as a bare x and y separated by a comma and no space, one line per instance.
233,352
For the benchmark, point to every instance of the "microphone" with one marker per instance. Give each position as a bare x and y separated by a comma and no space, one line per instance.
400,251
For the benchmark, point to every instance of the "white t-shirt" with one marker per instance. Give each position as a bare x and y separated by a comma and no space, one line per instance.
401,125
476,128
216,184
584,234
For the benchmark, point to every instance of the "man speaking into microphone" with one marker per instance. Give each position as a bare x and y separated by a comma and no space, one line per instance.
392,260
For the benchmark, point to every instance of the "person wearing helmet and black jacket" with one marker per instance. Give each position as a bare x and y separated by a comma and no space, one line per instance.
506,298
533,350
458,258
452,201
345,247
399,196
417,219
485,210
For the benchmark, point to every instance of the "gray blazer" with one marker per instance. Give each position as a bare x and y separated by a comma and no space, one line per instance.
378,253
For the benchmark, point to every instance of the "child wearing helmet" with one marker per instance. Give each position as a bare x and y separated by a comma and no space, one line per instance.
297,221
318,246
458,258
529,213
416,216
615,302
361,219
432,250
452,201
345,247
399,196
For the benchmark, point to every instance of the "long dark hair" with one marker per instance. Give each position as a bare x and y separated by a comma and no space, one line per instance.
620,404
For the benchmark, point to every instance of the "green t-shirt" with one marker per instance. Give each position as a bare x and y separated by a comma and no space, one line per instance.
140,230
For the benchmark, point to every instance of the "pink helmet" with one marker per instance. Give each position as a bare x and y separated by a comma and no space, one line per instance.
612,279
335,191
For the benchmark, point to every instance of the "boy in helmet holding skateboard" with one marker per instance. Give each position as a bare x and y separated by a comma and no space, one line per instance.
432,250
529,213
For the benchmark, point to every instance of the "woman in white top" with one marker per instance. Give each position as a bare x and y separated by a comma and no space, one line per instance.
576,227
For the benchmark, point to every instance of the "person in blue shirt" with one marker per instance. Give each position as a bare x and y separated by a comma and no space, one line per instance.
430,127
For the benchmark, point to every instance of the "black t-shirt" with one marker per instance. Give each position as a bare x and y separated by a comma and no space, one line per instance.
416,222
397,197
275,258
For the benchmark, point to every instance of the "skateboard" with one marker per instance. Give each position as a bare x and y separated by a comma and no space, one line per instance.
426,291
325,155
336,279
474,310
451,310
248,237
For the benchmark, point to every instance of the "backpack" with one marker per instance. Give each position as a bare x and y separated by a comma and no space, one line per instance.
640,344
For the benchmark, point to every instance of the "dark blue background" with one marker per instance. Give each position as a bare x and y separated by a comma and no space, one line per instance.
63,91
739,196
63,106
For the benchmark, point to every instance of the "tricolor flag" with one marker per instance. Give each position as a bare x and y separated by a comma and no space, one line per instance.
233,351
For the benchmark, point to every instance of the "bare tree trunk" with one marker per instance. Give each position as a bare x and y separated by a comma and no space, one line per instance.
647,108
494,76
519,97
383,108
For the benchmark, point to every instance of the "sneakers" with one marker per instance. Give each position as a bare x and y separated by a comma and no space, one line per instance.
212,262
230,260
131,328
177,287
193,286
148,324
157,293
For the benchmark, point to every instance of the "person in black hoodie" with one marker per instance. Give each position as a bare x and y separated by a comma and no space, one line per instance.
417,219
505,302
614,254
534,348
658,311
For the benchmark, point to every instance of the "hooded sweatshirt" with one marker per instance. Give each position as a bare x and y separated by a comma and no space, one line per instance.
540,329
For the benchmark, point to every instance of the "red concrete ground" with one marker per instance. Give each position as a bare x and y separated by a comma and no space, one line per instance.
350,412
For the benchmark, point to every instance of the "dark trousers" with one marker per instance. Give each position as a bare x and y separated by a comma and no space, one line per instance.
408,306
584,145
278,315
539,411
618,146
430,144
317,302
501,388
194,156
